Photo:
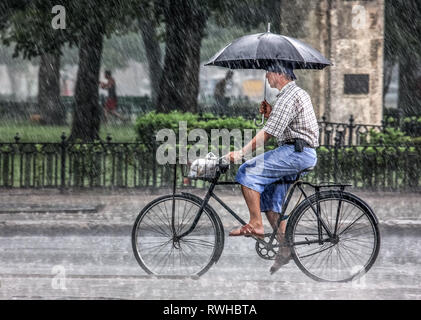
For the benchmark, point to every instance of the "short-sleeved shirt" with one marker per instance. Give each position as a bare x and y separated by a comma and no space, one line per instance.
293,117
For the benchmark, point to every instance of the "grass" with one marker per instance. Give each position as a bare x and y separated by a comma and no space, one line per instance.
40,133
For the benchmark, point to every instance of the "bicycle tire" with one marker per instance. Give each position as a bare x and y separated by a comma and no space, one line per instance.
333,195
208,212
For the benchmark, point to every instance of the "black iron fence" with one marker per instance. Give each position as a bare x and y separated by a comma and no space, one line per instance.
348,133
378,167
132,165
351,133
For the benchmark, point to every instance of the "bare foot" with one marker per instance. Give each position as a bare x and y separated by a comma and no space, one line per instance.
248,230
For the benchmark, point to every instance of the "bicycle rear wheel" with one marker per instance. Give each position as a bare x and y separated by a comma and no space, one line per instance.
156,246
349,254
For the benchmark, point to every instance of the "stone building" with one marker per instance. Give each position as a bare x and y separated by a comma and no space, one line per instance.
350,34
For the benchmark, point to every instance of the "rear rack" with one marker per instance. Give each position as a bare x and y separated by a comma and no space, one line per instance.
342,186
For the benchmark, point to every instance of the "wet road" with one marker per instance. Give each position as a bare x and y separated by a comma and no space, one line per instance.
104,267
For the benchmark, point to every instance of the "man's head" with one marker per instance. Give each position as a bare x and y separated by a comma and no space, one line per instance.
107,74
278,76
278,80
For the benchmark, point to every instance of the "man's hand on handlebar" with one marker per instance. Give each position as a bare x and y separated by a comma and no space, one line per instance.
265,109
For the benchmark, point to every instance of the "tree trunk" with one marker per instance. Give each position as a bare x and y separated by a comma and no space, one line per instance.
51,109
192,72
153,55
87,111
179,85
407,45
409,103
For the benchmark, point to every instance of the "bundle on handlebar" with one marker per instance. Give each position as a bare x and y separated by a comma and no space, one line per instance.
206,168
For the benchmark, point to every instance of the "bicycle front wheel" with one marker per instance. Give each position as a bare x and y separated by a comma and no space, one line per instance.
346,255
156,246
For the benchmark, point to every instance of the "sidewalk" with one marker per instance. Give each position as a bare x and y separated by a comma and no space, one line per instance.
94,212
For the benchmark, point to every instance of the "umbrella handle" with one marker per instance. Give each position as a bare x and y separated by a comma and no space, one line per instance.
261,123
264,98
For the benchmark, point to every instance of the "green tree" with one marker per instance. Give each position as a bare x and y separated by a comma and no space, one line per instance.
218,37
403,45
52,110
185,22
90,22
13,65
120,49
93,20
247,15
28,27
150,24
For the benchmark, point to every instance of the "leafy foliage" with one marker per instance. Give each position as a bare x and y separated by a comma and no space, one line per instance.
390,136
149,124
29,24
402,45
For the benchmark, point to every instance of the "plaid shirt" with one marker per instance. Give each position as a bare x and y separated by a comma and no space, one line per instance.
293,117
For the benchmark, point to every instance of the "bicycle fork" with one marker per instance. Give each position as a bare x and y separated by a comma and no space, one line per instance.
173,201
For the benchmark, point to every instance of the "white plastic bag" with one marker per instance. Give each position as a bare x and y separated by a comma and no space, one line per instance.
204,168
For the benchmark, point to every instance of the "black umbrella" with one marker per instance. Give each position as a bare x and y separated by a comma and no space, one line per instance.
270,52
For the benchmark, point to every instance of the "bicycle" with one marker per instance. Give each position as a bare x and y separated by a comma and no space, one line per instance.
180,234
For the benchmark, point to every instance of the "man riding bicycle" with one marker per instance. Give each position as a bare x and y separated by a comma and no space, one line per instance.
293,123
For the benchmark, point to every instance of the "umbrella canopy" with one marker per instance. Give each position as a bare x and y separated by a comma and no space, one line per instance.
268,51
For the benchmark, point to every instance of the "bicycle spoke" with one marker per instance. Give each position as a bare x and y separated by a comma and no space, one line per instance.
187,223
351,225
346,217
180,225
156,246
200,242
319,251
157,229
164,223
341,257
165,217
160,253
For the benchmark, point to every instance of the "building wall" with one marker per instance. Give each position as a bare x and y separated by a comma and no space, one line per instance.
350,34
306,20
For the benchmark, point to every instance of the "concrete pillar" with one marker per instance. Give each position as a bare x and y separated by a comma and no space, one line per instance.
350,34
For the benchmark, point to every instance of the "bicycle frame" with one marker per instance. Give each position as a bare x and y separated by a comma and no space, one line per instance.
297,183
312,229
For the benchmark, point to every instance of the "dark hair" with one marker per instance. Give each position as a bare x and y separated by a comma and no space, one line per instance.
289,77
107,72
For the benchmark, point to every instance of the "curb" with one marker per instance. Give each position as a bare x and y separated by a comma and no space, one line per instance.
52,228
34,208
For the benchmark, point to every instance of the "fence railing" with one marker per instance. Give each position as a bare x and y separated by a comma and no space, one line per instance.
344,134
377,167
132,165
351,133
338,133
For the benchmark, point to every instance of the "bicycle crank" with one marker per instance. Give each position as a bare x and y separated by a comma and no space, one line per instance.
265,250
